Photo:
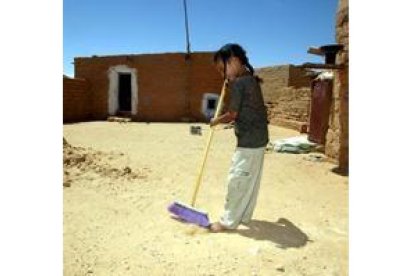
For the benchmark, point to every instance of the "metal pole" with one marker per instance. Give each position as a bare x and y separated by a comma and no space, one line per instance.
186,27
187,67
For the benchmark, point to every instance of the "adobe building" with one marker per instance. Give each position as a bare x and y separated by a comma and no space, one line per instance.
329,124
169,87
337,142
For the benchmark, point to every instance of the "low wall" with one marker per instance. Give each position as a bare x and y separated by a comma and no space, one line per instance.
75,100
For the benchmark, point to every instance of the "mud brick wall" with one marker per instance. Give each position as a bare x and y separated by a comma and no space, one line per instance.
337,136
204,78
274,78
75,100
170,87
287,105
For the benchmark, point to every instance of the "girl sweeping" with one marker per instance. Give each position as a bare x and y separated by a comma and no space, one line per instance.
248,112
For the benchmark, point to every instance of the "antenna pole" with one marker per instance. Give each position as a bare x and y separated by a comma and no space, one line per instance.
186,27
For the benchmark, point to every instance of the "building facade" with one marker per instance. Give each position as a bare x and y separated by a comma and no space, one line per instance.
168,87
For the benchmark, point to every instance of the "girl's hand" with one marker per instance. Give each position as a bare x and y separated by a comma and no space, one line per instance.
213,122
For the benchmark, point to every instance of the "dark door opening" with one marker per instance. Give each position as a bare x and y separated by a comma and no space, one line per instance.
124,92
211,104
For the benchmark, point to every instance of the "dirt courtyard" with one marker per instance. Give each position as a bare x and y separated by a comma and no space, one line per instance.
119,179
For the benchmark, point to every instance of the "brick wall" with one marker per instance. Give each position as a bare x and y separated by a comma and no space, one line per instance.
337,136
204,78
274,78
286,100
289,107
170,87
75,100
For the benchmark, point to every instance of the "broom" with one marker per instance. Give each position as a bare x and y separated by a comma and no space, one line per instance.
186,212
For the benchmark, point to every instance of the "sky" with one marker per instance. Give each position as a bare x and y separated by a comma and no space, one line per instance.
273,32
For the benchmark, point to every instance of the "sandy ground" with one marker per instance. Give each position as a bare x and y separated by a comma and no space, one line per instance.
120,177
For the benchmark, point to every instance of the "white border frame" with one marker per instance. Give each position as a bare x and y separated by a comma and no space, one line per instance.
113,76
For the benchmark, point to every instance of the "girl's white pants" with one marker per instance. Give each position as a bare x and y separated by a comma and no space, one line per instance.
243,185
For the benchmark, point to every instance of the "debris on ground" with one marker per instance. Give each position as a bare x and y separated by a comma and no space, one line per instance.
88,160
297,144
195,130
314,157
118,119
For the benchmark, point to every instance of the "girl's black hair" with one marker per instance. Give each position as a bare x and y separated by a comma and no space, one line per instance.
234,50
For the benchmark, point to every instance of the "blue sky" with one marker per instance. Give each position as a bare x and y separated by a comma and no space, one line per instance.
272,31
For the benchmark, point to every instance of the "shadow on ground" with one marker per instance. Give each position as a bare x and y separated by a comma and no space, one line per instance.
341,171
282,232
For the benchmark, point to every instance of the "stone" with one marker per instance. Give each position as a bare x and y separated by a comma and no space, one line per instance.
281,269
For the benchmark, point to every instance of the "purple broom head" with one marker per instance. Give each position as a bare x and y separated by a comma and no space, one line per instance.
189,214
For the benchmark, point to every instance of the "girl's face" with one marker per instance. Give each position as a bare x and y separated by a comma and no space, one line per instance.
233,69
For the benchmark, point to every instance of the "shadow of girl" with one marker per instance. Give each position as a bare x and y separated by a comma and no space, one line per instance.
282,232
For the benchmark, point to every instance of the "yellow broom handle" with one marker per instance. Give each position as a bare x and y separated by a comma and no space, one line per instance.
210,136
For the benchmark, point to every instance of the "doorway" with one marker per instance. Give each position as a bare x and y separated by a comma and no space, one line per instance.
128,85
124,92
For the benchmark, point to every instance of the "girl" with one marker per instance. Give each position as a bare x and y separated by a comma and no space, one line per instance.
248,112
